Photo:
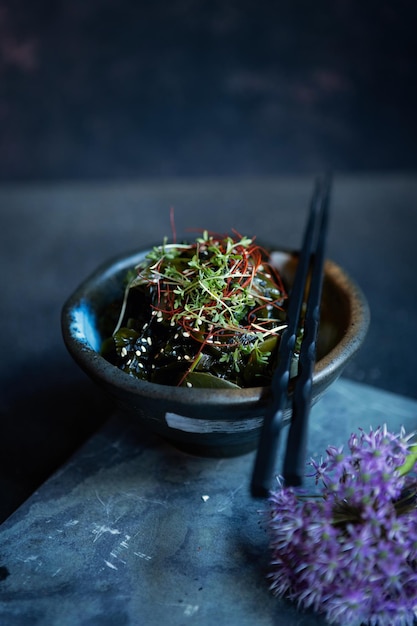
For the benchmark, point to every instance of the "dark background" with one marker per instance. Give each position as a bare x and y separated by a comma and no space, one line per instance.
118,88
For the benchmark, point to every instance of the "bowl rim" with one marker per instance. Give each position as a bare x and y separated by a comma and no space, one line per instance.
99,368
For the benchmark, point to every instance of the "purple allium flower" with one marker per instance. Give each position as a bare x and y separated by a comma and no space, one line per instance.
350,552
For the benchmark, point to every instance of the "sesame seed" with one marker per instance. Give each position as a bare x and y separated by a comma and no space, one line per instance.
187,357
149,340
138,353
189,384
143,348
123,351
185,334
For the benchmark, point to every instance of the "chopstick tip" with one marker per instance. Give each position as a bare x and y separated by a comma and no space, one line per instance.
292,480
259,491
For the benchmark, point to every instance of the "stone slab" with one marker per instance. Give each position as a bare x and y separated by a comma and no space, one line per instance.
131,531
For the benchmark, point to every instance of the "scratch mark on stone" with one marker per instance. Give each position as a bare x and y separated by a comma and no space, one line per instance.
29,558
57,572
145,500
110,564
190,609
116,556
229,499
119,549
143,556
124,544
99,499
98,531
72,522
105,505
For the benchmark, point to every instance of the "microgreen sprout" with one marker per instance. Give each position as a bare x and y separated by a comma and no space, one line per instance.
215,306
212,282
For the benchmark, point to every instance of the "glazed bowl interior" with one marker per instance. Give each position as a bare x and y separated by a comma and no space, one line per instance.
218,422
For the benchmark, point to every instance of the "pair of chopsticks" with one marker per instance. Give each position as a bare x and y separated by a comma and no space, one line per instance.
310,265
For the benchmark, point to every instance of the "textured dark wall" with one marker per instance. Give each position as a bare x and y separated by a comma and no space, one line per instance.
115,88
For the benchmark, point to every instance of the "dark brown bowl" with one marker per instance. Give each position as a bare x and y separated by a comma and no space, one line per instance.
217,422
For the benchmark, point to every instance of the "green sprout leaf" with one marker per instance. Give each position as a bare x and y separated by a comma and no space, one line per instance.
410,461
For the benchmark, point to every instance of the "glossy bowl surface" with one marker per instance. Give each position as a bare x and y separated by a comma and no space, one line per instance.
220,422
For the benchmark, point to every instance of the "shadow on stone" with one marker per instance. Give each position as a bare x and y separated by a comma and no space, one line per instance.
42,427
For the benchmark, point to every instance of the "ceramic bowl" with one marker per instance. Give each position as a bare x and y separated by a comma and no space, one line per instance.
216,422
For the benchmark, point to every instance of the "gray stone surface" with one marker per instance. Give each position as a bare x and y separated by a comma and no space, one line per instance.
131,531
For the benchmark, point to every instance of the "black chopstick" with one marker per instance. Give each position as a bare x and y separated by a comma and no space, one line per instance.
314,238
295,452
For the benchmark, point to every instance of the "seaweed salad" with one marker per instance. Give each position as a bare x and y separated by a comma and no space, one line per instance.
204,314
